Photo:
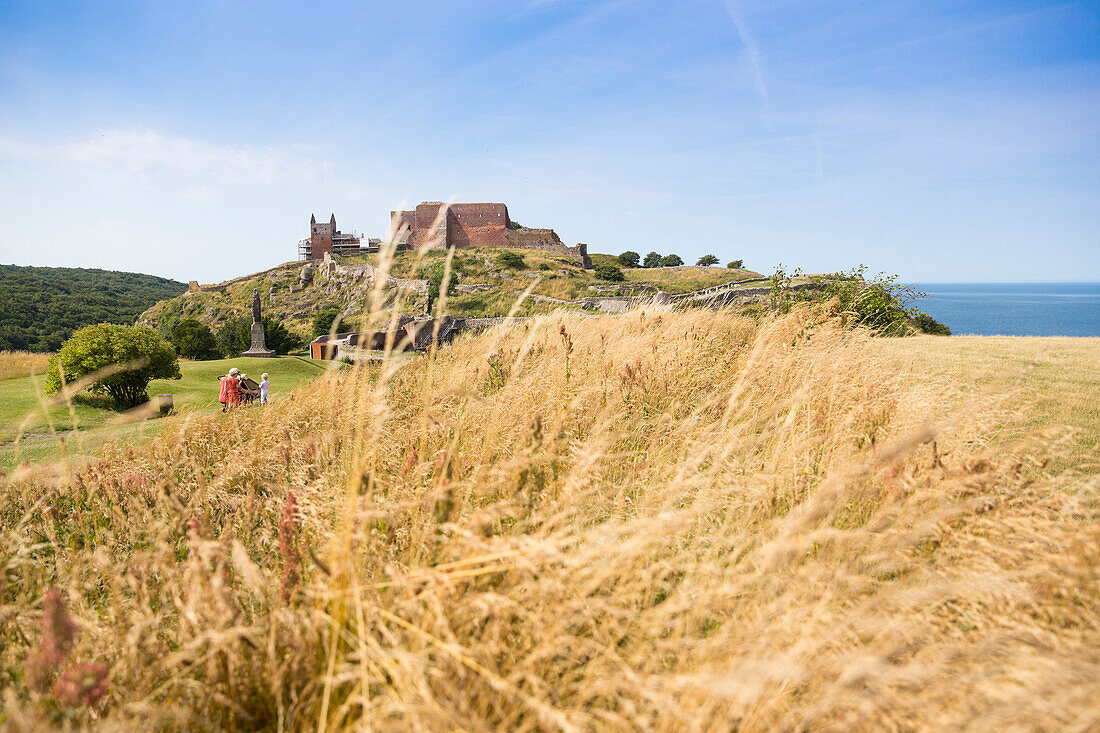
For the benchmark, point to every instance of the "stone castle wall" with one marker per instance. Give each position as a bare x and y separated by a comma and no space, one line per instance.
545,240
474,225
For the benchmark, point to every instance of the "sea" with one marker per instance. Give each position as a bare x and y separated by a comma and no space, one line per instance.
1014,309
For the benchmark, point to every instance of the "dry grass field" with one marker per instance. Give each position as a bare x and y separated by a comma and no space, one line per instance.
21,364
658,521
1053,383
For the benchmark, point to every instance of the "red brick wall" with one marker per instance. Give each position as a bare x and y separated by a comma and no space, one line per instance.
477,225
423,219
320,240
398,221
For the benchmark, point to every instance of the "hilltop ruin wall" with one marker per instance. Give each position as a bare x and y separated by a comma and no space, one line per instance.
545,240
474,225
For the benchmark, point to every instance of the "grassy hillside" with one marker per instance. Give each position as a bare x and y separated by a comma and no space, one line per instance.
496,287
40,307
659,521
23,416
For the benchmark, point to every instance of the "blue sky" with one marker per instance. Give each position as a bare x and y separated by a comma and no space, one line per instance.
939,141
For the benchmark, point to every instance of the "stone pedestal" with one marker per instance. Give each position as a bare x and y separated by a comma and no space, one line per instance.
258,347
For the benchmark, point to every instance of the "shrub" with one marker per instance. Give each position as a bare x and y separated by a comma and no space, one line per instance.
435,280
652,260
927,324
277,337
610,273
629,259
141,352
322,322
736,265
671,261
512,260
513,224
878,303
193,339
707,261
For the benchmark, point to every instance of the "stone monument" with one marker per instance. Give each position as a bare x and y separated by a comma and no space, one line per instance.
258,347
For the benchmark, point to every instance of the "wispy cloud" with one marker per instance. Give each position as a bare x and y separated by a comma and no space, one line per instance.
151,152
751,50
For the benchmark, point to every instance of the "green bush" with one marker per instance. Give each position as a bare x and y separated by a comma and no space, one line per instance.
629,259
736,265
511,260
671,261
707,261
101,349
927,324
878,303
277,337
652,260
609,273
193,339
434,276
322,322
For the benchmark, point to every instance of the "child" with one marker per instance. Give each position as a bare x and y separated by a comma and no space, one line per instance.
264,384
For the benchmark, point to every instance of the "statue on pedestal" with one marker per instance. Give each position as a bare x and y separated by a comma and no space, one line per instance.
258,347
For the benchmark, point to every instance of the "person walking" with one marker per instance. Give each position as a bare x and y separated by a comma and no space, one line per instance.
264,386
230,395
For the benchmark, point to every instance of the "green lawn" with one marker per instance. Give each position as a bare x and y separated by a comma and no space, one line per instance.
21,410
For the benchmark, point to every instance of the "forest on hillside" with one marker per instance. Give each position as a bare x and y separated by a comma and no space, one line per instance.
40,307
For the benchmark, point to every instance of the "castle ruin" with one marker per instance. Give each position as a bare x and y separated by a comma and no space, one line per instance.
436,225
324,237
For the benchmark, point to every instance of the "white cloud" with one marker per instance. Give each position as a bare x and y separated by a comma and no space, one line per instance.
179,159
751,49
134,151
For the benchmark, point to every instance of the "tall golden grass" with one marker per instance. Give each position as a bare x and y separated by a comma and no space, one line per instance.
22,363
661,521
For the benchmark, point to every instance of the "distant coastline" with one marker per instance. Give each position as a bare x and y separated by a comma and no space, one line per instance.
1014,309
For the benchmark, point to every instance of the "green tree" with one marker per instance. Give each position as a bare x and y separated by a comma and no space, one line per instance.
652,260
610,273
126,358
277,337
234,336
322,322
194,340
671,261
41,307
629,259
736,265
707,261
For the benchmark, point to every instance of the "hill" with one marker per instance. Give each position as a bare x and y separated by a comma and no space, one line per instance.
40,307
486,285
658,521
